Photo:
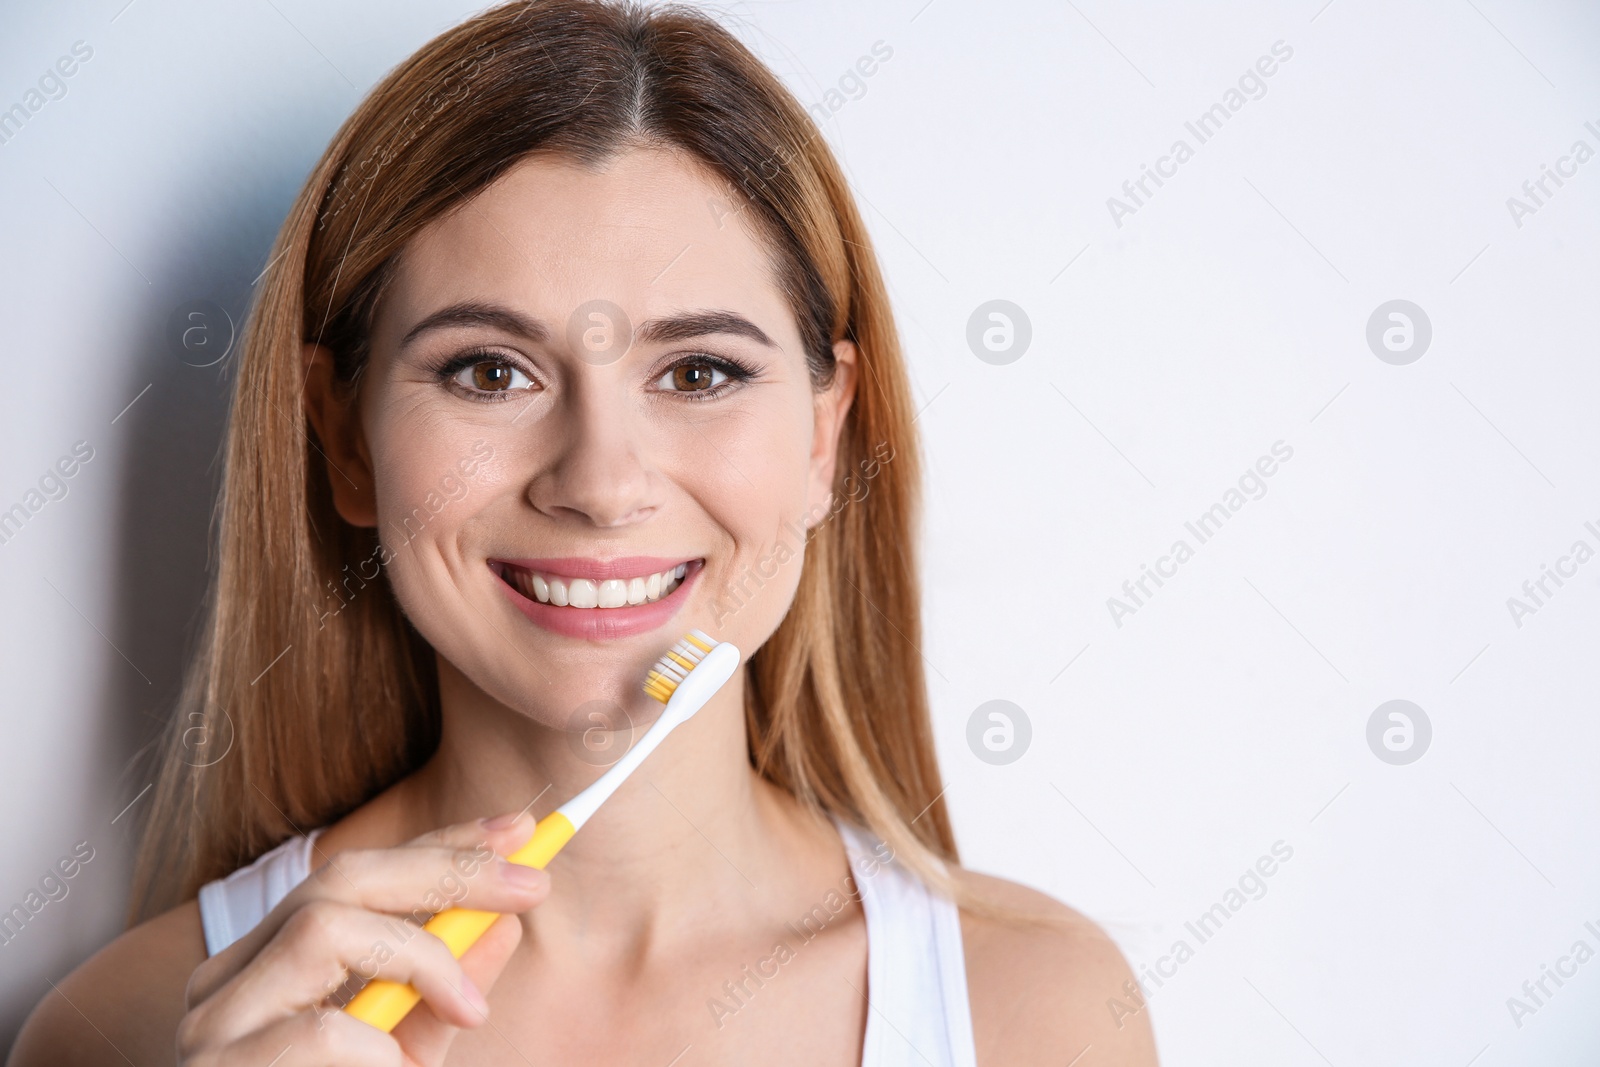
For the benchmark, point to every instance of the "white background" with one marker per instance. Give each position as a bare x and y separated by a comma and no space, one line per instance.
1227,313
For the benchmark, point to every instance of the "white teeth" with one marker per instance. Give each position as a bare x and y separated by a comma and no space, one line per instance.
584,593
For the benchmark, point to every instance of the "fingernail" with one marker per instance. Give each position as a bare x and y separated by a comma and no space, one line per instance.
474,997
500,822
520,876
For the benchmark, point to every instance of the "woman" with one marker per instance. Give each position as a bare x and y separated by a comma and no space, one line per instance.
574,340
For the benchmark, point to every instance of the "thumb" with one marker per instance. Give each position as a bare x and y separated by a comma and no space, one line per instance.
424,1038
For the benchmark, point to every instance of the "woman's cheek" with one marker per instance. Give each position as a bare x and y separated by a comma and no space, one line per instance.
424,459
756,584
767,516
423,503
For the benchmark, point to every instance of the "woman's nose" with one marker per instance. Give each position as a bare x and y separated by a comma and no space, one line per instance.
599,473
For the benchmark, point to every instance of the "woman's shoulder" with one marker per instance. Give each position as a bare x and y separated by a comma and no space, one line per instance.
1041,984
122,1004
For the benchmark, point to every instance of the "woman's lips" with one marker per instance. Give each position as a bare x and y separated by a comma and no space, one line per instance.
595,623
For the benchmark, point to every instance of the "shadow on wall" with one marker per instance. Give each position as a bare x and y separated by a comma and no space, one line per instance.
166,451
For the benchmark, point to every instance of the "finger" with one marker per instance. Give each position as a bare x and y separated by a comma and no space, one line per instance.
426,1037
309,958
437,862
505,838
310,1038
415,881
419,881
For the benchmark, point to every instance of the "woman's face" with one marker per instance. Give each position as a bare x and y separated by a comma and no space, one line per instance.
581,385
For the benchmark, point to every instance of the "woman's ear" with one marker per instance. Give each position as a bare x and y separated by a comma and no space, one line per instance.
336,418
830,408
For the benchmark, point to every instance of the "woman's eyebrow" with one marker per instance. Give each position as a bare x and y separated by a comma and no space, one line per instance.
679,327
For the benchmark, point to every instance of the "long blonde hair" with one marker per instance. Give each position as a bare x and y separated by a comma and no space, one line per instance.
290,718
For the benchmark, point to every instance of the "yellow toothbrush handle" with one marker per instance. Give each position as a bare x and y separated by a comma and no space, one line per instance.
383,1003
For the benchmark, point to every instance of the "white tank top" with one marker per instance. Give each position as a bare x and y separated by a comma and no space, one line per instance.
917,1015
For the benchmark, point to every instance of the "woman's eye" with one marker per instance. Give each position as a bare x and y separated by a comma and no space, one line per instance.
491,376
692,378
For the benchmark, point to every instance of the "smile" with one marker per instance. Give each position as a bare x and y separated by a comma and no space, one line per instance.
596,599
568,592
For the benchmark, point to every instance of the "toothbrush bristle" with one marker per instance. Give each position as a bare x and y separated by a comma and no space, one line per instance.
671,669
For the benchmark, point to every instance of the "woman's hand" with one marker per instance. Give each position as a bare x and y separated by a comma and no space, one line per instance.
264,999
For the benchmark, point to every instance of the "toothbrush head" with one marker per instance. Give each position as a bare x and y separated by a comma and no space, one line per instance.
684,680
671,669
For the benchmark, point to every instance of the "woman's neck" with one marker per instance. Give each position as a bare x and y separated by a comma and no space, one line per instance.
694,832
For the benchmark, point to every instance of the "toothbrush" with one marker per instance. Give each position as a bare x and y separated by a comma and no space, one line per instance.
683,679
